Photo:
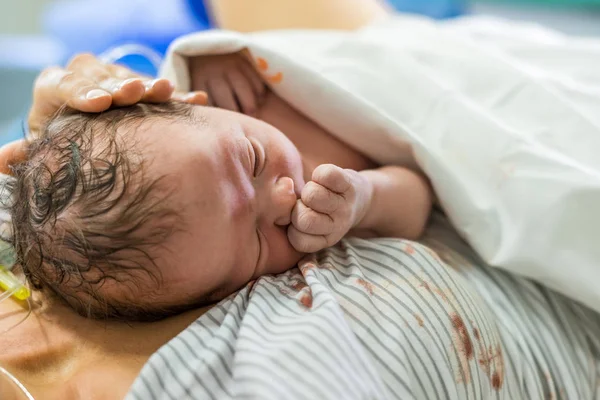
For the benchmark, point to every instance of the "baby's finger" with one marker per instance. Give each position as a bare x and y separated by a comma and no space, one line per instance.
199,86
258,85
309,221
321,199
244,94
332,177
305,243
221,94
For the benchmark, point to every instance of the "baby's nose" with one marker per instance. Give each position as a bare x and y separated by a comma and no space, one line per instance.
284,200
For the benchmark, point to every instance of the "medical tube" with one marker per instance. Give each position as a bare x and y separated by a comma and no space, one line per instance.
10,283
15,383
114,54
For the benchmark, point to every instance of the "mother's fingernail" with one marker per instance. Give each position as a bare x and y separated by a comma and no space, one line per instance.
150,84
128,81
96,94
188,96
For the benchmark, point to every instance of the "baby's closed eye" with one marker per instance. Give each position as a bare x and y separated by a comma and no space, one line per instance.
258,157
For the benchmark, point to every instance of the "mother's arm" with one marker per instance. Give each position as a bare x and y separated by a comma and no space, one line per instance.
256,15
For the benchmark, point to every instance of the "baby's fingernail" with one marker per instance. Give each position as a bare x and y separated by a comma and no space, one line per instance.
96,94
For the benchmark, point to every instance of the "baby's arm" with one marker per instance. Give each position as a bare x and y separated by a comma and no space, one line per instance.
400,202
390,201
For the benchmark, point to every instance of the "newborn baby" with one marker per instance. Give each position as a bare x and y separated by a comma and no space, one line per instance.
145,211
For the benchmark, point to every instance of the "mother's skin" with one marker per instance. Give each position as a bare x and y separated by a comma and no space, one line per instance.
58,354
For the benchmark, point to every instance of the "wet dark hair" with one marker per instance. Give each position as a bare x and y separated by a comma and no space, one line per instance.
85,214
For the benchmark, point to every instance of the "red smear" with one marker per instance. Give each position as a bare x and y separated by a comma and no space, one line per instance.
476,334
368,286
306,300
492,363
298,286
463,335
277,78
496,381
307,266
443,295
419,320
409,249
262,64
436,290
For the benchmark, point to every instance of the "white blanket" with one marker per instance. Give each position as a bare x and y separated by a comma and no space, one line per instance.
503,118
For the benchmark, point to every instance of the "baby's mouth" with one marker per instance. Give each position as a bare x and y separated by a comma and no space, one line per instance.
298,189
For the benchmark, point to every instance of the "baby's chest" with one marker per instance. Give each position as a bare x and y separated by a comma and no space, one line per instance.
316,145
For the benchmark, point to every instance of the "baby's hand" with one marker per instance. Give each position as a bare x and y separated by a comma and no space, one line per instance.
229,80
331,204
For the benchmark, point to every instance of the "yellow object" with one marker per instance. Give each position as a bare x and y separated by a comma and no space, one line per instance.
10,283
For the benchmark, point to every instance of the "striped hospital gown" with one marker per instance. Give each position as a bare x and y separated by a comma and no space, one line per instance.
384,319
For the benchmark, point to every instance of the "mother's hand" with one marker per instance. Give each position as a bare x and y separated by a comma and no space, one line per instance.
88,85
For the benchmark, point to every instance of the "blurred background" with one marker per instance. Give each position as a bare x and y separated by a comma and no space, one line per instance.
38,33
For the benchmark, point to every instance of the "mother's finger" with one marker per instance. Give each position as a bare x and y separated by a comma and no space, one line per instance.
76,91
158,90
56,87
126,86
88,66
124,92
121,72
198,98
154,90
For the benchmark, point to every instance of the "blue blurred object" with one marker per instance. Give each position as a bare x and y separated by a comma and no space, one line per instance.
431,8
95,26
198,9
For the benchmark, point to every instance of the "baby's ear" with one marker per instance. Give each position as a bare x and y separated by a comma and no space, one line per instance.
12,153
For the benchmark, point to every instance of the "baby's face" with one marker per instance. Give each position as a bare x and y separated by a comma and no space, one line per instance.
237,180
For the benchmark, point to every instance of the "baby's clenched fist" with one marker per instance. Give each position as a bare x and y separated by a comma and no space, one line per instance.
331,204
